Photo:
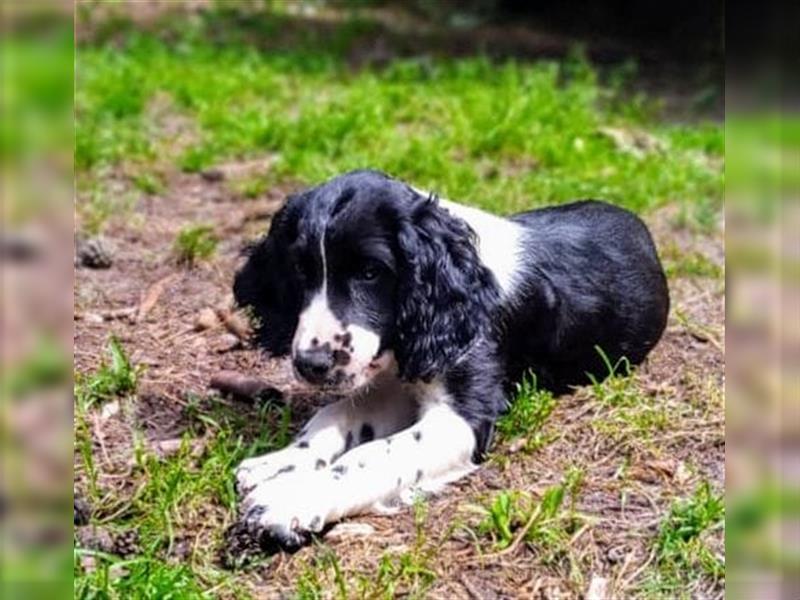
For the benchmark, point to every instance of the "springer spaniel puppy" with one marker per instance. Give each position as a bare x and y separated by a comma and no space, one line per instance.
423,313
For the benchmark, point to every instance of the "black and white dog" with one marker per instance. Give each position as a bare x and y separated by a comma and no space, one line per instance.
424,312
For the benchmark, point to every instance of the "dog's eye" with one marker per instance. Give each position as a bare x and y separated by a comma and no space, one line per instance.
369,271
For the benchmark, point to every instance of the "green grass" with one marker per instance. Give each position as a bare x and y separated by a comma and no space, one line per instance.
140,579
502,136
546,524
627,412
190,491
527,413
195,243
148,183
250,187
115,376
688,264
682,555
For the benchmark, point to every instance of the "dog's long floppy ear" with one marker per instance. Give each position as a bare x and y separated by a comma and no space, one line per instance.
446,295
266,284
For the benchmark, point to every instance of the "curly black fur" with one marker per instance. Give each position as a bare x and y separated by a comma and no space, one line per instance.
447,296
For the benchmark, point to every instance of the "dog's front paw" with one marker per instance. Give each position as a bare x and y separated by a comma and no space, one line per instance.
285,515
253,471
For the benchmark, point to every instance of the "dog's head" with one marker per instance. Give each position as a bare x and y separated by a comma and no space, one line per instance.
362,274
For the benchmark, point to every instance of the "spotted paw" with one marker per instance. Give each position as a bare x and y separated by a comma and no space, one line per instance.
285,514
275,536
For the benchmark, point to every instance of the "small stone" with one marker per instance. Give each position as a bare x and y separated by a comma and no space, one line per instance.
227,342
167,448
213,175
616,554
81,512
517,445
88,563
94,253
206,319
598,588
95,538
109,410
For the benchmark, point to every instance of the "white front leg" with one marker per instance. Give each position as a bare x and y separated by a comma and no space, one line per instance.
437,448
331,432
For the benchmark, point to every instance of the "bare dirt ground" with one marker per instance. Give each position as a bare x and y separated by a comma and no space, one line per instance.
632,474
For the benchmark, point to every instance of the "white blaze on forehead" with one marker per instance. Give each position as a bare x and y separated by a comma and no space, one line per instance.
317,321
355,345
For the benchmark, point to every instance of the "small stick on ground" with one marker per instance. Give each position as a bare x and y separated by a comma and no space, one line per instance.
242,386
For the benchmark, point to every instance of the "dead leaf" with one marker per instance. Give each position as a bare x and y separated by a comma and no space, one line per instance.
666,467
152,295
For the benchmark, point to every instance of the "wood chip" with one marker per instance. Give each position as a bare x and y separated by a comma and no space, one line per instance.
235,323
167,448
517,445
242,386
206,319
107,315
343,531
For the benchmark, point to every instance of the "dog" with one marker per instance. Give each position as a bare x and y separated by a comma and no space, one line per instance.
423,313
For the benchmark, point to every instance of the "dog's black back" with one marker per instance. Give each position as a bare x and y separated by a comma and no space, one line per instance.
592,283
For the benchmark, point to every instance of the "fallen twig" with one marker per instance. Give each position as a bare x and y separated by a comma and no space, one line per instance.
107,315
243,386
471,589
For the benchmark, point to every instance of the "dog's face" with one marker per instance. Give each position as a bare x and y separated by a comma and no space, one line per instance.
361,275
346,274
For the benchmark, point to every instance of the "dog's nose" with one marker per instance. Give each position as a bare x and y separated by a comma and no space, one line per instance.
314,365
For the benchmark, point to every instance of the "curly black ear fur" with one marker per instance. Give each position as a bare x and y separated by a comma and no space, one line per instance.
446,295
266,285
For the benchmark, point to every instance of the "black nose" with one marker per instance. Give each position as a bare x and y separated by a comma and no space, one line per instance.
314,365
